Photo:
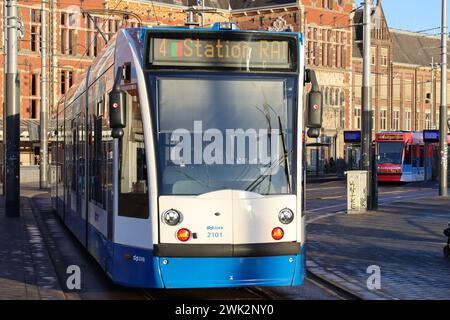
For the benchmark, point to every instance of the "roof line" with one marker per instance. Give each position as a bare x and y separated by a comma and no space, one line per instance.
412,33
280,6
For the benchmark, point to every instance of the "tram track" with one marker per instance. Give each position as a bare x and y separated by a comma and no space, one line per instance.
336,290
250,293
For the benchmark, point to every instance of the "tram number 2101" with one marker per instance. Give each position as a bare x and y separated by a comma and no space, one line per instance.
215,235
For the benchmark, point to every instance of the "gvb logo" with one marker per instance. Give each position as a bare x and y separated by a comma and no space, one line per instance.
74,280
374,280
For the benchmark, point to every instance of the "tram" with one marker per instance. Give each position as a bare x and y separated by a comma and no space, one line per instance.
402,157
178,157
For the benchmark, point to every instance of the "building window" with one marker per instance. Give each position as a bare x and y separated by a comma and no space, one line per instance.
428,120
417,122
396,120
408,120
34,38
35,25
68,43
327,4
70,78
34,111
383,120
358,118
63,82
342,116
35,16
94,44
34,85
66,80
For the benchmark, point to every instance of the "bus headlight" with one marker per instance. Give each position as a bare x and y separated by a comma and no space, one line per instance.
286,216
172,217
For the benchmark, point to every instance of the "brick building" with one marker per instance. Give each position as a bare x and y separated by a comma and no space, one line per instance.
405,86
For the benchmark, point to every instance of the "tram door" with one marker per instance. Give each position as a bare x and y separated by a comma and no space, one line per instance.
69,164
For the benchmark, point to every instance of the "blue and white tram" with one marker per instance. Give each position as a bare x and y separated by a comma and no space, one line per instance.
178,157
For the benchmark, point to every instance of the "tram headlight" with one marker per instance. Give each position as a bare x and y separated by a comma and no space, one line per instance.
286,216
172,217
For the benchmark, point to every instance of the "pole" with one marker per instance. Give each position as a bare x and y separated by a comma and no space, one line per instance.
12,92
43,164
366,106
443,113
3,160
53,57
433,116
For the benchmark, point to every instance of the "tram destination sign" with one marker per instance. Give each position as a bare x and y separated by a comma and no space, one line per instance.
247,54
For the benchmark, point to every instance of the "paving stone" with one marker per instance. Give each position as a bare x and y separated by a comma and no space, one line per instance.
404,239
26,271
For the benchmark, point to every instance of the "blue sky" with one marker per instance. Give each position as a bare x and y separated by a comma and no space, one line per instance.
413,15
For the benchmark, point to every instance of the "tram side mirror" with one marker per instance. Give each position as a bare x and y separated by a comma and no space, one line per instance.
117,107
448,123
314,108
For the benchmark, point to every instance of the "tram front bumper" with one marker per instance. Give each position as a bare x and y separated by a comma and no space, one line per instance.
202,272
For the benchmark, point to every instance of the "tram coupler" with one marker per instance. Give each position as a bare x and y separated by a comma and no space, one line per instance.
447,247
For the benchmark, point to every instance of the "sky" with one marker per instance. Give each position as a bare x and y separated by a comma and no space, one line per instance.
413,15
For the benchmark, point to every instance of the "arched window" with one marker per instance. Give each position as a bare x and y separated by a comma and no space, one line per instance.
326,96
337,100
342,99
332,97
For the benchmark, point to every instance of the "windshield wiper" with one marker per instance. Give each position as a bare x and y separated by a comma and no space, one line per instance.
284,157
287,168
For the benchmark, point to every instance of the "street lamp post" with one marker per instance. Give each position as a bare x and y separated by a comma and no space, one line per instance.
443,113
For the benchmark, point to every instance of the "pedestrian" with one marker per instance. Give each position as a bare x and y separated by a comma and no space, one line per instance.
340,167
332,165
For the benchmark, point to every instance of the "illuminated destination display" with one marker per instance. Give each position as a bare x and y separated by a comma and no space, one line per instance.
390,137
254,54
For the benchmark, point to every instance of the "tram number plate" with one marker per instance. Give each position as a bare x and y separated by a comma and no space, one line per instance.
215,235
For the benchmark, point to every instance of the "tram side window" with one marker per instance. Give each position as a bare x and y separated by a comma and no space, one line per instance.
414,156
133,199
97,155
74,156
407,155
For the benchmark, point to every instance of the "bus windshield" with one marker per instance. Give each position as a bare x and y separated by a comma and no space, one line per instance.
390,152
221,133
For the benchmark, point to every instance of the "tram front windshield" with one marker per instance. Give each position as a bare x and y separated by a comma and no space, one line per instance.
219,133
390,152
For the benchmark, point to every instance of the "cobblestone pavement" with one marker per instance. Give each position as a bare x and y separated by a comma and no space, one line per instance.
26,271
404,239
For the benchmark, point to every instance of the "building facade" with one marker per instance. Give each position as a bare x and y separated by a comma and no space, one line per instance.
405,77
